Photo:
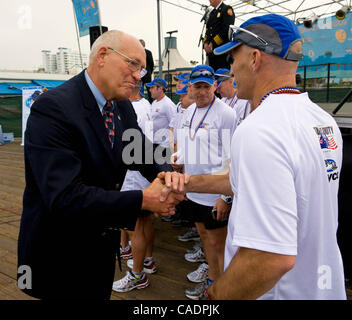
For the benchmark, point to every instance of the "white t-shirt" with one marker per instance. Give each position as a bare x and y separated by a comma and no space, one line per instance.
176,123
208,153
163,112
285,165
241,107
134,179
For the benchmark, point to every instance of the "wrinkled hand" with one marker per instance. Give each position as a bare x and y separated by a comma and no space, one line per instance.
223,209
174,182
154,202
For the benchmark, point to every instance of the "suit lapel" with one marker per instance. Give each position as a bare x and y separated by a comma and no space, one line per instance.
94,116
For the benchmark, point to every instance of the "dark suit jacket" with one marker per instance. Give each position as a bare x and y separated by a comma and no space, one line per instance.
72,208
217,33
149,66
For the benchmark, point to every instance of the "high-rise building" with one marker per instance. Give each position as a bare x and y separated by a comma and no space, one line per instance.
69,60
49,61
65,61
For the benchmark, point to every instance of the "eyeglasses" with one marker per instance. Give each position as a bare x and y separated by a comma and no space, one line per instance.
134,65
233,34
202,73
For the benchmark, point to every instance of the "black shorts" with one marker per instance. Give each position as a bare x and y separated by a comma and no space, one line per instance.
200,213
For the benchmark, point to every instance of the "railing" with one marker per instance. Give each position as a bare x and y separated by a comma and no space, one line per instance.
329,82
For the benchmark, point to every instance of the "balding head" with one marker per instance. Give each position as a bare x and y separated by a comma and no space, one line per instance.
115,62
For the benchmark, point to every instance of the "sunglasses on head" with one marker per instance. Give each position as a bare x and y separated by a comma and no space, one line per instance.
233,31
202,73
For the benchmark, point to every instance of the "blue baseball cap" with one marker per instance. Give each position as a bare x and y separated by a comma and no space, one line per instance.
159,82
221,75
202,73
182,91
185,81
182,76
271,33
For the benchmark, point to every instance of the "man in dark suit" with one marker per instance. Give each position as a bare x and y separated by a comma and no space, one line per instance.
217,32
75,163
149,67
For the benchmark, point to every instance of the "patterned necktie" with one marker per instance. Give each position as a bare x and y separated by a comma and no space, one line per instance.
108,116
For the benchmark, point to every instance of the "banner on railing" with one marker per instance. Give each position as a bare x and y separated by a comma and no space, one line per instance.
29,95
328,41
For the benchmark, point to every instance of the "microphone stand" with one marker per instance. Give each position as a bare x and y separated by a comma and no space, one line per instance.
201,38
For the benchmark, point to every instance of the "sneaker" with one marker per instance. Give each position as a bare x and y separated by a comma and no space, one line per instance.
126,253
196,292
199,275
130,282
190,235
195,247
149,266
197,256
167,218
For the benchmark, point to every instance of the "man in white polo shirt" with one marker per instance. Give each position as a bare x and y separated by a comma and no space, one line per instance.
163,111
204,145
285,167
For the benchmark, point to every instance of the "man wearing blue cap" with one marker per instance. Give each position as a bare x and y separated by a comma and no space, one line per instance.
203,147
163,111
227,88
285,165
180,79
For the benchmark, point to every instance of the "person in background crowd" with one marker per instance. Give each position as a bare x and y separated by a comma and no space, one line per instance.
217,30
142,238
149,67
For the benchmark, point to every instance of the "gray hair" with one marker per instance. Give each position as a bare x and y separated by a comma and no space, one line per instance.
110,38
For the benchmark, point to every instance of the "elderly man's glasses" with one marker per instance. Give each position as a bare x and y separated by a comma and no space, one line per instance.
232,34
134,65
202,73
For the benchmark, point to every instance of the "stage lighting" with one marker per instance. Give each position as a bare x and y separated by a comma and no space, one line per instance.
341,13
308,22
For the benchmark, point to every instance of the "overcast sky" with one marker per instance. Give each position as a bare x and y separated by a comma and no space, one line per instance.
29,26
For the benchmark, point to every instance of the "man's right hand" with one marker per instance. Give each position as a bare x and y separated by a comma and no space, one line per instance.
154,202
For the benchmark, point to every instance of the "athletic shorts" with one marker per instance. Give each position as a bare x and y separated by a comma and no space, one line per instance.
200,213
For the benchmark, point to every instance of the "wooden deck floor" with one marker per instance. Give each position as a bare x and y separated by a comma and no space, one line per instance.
168,283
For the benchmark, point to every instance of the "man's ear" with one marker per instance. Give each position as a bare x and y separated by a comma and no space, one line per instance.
101,55
255,59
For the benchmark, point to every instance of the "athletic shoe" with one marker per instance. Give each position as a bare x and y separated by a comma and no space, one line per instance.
199,275
167,218
198,256
190,235
130,282
196,292
149,266
126,253
195,247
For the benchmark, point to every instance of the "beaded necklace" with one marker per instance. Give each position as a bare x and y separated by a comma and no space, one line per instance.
282,90
200,122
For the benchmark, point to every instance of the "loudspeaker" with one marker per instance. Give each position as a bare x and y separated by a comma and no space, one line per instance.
94,33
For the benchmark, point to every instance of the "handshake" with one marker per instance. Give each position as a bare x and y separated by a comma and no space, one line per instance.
165,192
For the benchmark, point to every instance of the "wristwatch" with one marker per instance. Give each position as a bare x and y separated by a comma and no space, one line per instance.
227,199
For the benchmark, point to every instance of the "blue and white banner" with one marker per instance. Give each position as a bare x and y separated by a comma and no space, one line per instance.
328,41
87,15
29,95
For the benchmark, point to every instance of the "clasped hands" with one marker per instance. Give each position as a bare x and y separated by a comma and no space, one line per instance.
165,192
